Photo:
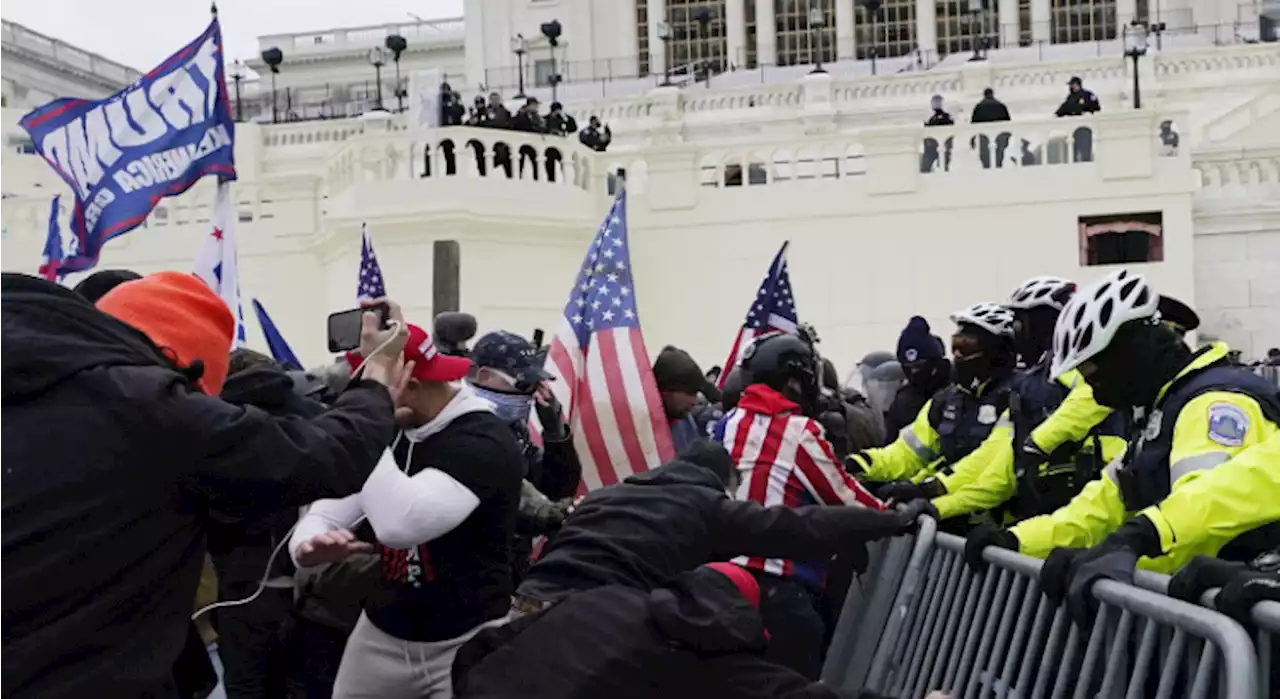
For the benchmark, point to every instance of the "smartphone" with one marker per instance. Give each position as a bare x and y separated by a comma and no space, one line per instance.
344,326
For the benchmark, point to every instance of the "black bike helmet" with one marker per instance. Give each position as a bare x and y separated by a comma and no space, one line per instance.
776,359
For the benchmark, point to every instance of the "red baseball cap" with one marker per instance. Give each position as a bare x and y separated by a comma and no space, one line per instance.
428,363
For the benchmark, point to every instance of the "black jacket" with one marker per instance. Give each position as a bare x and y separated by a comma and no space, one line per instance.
556,475
596,139
531,122
112,463
561,124
988,110
653,526
696,637
940,118
1079,104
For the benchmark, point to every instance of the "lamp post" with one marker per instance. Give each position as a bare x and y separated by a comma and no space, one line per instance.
552,31
871,11
519,47
703,17
664,33
273,58
377,59
237,75
975,22
817,20
396,45
1135,45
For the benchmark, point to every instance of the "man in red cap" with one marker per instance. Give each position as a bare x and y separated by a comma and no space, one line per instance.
699,635
443,504
116,449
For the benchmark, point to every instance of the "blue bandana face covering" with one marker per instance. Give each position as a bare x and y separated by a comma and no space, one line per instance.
511,407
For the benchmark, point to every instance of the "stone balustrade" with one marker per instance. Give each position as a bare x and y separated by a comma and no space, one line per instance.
1251,174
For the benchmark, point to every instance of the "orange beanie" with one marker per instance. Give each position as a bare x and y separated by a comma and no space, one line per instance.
180,312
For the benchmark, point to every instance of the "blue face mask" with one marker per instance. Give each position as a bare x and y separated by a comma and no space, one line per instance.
511,407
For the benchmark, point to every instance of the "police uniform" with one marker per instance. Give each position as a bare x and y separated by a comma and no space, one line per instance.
1181,472
949,428
1063,422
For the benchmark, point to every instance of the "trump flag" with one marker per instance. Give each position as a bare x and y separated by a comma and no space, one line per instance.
154,139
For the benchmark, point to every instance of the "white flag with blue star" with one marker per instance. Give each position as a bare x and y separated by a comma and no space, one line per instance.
216,263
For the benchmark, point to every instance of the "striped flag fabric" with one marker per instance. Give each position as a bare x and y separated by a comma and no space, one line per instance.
216,263
604,378
51,263
774,308
280,350
371,284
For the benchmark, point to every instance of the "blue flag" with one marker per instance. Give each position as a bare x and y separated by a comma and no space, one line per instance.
153,139
51,265
280,349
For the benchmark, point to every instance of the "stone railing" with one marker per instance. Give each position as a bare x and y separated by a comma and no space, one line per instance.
1239,173
459,152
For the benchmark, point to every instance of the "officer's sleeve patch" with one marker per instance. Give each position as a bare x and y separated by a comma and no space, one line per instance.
1228,424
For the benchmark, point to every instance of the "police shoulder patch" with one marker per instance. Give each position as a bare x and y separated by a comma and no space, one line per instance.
1228,424
987,414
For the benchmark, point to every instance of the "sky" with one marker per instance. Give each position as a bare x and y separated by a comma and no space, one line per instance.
142,33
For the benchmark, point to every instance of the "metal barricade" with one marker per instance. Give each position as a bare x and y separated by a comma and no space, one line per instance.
993,634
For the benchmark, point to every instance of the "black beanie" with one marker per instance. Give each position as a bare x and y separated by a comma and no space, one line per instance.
917,344
96,285
675,370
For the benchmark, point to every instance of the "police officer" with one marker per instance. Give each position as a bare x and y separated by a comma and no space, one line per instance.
1180,474
958,418
1061,436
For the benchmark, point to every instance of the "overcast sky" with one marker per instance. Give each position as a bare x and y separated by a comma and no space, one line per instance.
141,33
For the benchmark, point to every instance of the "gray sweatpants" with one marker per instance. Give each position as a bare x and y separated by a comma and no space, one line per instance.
376,665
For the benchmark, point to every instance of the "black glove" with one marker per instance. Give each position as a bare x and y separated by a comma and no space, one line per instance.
553,427
902,491
1055,571
1113,559
983,536
1237,597
1201,574
912,510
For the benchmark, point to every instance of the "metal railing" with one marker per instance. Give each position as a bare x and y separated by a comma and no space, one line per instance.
992,633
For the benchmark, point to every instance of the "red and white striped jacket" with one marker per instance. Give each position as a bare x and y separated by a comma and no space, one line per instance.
784,458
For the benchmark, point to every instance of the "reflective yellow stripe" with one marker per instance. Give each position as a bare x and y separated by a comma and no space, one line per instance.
917,447
1004,421
1199,462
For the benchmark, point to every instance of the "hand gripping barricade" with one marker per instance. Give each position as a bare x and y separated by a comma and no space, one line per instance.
924,621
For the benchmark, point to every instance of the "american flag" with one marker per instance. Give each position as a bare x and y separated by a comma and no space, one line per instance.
602,368
217,262
774,308
371,285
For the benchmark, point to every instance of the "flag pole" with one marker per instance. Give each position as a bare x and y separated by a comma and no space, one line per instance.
213,9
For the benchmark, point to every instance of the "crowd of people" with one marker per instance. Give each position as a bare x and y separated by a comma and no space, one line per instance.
446,549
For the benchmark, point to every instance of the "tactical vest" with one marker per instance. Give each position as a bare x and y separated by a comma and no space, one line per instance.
963,420
1144,478
1043,488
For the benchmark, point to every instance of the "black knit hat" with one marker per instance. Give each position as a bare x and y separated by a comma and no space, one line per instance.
675,370
96,285
917,344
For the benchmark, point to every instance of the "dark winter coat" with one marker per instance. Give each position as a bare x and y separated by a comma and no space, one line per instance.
653,526
112,463
561,124
1079,103
695,638
988,110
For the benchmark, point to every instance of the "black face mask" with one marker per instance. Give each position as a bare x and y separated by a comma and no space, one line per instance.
973,371
930,376
1139,362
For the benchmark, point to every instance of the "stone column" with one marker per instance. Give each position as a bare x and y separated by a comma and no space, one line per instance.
1007,22
927,30
735,26
657,47
1040,30
846,42
766,34
1126,12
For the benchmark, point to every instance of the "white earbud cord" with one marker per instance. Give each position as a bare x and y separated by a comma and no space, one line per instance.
266,574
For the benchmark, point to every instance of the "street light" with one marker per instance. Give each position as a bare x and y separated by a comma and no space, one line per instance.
273,57
703,17
396,45
237,74
871,10
817,20
519,47
552,31
664,33
377,59
975,22
1135,45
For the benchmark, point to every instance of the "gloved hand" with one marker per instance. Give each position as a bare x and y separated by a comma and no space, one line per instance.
912,510
1201,574
548,517
1113,559
1055,572
1237,597
983,536
550,415
1030,458
902,491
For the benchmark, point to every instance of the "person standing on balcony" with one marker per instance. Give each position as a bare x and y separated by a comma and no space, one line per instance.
990,110
1079,102
530,121
559,123
940,117
594,137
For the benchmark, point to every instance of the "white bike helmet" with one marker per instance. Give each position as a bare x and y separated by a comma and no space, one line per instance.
1090,320
1035,292
993,318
